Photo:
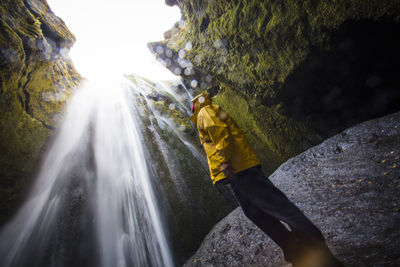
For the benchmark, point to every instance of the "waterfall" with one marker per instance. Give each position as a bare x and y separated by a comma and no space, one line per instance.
93,202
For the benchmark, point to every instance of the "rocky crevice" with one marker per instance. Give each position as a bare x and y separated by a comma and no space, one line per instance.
26,99
25,103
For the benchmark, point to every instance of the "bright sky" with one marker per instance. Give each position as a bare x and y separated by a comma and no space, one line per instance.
112,35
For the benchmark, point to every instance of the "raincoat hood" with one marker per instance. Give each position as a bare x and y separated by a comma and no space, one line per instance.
200,101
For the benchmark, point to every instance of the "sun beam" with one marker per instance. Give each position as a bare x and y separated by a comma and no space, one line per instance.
112,36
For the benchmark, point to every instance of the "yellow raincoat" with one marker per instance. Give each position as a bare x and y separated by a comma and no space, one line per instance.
221,137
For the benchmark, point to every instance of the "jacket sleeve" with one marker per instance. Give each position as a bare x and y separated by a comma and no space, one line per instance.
220,137
216,139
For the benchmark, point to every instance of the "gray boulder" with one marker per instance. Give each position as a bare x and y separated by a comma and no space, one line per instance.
348,186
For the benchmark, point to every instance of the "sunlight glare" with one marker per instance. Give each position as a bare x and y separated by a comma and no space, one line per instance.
112,36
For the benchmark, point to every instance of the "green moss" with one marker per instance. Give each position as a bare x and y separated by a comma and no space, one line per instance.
21,141
263,43
180,119
266,40
274,137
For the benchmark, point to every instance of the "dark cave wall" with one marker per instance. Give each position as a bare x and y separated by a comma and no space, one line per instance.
291,73
353,80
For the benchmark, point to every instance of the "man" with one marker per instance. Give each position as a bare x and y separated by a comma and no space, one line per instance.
232,161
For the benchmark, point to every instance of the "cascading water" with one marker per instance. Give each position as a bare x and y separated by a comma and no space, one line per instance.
93,203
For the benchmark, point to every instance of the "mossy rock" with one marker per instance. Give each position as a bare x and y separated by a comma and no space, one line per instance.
274,137
37,79
261,52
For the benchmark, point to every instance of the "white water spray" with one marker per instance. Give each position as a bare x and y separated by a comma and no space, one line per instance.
93,202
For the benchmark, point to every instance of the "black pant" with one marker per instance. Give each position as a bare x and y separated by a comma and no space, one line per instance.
266,206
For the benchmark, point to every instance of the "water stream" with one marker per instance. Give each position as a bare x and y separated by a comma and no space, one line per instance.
93,202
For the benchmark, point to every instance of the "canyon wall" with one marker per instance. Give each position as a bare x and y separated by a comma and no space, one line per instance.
36,80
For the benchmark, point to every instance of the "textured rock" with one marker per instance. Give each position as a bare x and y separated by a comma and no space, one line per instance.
36,79
305,69
348,186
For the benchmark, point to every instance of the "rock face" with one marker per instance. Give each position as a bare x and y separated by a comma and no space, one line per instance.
300,71
348,186
36,80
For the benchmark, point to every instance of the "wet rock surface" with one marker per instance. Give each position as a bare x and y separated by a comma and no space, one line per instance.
348,186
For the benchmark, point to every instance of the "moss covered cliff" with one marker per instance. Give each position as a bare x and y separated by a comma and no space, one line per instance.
36,79
291,73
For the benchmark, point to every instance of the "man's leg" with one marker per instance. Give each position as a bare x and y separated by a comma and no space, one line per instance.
283,237
254,186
